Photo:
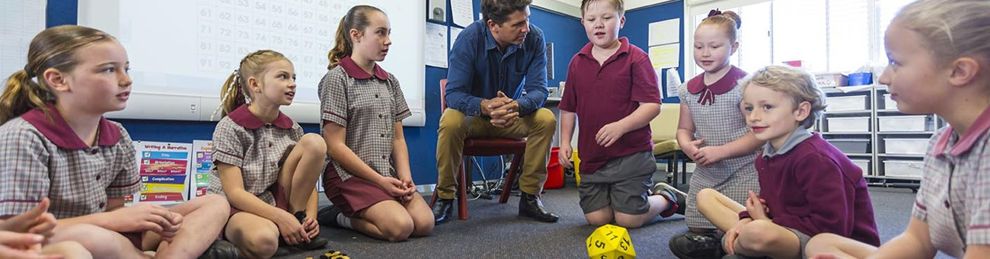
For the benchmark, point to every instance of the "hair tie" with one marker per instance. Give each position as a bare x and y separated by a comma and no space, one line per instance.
28,72
714,13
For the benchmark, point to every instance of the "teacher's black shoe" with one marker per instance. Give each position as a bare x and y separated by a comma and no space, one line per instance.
442,210
532,207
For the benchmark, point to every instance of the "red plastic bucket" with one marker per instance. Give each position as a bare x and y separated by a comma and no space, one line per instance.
555,173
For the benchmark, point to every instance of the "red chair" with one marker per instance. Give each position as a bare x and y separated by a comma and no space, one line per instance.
483,147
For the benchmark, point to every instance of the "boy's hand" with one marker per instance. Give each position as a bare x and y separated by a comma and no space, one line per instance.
35,221
732,234
709,155
755,206
564,156
609,134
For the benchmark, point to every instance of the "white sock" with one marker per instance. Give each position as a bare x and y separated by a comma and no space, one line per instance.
343,221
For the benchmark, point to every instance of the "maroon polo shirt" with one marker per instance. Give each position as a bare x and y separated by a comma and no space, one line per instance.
602,94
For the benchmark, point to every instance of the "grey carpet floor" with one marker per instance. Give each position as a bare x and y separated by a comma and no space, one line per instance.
494,231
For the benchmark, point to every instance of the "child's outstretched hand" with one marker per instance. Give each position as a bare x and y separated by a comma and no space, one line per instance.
564,156
35,221
756,208
609,134
732,234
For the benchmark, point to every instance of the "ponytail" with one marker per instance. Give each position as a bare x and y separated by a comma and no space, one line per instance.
21,95
342,44
356,18
231,94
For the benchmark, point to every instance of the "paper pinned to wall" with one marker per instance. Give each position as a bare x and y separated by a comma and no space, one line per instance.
22,19
665,32
665,56
454,32
435,45
462,12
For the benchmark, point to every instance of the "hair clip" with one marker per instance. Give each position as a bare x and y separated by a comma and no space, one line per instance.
714,13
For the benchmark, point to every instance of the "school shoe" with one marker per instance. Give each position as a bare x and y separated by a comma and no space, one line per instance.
327,216
531,206
696,246
676,197
442,210
221,249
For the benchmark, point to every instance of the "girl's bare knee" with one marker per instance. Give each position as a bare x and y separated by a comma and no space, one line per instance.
313,144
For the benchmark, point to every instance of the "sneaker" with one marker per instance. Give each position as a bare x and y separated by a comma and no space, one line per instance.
327,216
693,245
221,249
676,197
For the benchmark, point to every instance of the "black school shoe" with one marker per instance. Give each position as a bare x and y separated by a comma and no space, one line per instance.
327,216
697,246
221,249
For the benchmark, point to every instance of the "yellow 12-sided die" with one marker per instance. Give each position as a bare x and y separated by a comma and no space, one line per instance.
610,242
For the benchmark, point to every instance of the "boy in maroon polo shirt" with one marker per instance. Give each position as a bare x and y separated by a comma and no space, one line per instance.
612,88
807,186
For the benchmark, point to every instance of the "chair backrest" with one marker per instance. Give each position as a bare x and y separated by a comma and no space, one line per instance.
443,94
664,126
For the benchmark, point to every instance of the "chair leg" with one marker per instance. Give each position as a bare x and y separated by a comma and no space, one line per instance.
674,162
511,178
462,211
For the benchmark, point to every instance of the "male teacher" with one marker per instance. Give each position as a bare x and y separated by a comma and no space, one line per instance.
496,86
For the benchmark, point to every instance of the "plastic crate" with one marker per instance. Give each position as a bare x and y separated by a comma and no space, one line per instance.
907,146
848,124
864,165
904,123
900,168
846,103
851,145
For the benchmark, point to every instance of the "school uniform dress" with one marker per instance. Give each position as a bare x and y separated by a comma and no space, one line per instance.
618,176
718,120
259,149
954,197
811,187
367,106
43,157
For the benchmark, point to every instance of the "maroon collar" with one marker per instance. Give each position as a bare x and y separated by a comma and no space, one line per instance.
965,143
708,92
56,130
242,116
624,48
353,70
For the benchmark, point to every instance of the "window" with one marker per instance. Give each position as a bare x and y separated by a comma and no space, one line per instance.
825,35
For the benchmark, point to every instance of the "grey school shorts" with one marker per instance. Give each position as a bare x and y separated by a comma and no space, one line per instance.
623,183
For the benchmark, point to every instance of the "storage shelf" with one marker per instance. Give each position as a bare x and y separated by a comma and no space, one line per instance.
876,104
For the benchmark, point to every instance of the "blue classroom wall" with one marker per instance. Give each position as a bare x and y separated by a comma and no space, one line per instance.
637,30
565,31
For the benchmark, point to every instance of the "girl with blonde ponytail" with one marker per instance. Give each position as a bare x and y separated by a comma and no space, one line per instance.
263,163
56,144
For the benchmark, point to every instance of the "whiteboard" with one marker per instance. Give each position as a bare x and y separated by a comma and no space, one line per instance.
181,51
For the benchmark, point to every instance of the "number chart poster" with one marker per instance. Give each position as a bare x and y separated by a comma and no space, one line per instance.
164,169
202,164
